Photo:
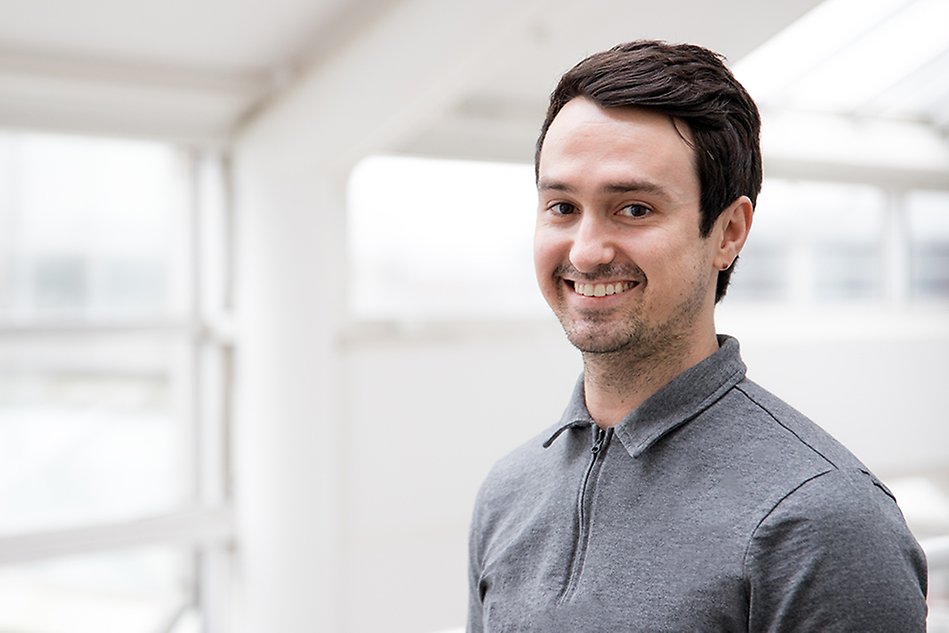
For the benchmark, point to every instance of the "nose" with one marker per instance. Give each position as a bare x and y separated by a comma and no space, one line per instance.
592,245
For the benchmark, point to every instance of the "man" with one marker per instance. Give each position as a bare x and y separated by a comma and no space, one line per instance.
674,494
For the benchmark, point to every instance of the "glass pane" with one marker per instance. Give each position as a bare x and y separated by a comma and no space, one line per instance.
91,228
437,238
143,591
761,273
929,244
93,429
848,270
813,241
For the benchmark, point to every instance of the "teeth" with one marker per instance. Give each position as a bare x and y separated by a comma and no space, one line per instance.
601,290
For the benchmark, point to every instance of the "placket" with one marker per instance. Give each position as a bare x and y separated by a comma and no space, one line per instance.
585,497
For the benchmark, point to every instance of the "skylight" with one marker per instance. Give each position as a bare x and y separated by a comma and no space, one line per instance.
875,58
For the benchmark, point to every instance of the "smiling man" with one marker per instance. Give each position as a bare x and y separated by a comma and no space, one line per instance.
674,494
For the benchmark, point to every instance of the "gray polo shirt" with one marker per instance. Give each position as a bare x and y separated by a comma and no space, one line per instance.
714,506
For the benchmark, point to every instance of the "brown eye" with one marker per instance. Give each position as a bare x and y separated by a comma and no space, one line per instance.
635,211
562,208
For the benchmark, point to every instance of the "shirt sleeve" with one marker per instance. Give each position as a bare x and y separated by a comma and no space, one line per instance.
835,555
475,536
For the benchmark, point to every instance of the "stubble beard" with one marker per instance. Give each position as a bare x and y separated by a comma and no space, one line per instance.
599,334
629,338
599,331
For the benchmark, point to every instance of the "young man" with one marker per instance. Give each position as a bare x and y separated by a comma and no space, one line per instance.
674,494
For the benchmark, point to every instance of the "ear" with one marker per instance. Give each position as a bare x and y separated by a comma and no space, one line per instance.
731,230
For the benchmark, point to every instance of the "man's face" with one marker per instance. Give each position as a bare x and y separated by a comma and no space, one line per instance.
617,248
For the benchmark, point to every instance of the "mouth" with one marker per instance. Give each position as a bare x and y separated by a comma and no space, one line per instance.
600,289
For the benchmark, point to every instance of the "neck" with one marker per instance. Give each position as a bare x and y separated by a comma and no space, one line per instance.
615,383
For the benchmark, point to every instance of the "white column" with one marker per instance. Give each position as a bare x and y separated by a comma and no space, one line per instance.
290,165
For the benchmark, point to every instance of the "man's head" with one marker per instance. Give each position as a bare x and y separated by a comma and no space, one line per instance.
691,85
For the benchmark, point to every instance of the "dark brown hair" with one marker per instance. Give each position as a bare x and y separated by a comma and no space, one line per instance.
692,85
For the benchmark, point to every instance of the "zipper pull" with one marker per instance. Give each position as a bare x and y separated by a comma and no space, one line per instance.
598,444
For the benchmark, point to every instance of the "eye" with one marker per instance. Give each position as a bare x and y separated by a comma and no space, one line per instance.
562,208
635,211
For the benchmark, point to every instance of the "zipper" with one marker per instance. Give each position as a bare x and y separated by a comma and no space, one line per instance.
584,505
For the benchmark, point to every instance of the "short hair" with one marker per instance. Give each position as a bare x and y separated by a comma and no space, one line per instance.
691,84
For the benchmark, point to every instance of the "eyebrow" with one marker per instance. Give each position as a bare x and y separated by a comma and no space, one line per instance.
626,186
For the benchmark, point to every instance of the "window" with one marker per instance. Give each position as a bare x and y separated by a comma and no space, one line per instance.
441,239
92,428
432,239
112,379
814,243
93,229
113,592
928,214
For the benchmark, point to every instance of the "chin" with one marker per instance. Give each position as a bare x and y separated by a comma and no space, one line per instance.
591,339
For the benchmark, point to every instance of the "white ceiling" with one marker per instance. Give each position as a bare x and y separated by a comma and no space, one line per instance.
200,70
500,116
880,59
174,69
213,35
195,69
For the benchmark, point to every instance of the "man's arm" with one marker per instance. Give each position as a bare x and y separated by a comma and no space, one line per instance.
836,555
475,613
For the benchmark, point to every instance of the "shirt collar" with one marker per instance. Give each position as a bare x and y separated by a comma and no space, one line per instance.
575,415
675,404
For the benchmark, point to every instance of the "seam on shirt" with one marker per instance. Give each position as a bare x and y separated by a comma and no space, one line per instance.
754,532
879,484
785,426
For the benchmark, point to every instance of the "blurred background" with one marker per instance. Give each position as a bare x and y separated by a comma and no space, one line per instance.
267,307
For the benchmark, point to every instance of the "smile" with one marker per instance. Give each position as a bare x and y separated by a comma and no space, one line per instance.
602,290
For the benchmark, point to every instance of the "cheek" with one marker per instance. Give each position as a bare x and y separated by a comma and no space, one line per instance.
672,258
546,251
688,267
548,256
654,250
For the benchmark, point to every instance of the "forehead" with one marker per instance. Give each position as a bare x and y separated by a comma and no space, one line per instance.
587,141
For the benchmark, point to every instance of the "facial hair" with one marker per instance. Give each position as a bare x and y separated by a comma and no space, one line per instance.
625,330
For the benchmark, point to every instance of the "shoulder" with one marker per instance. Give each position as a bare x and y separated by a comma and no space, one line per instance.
526,470
836,550
790,432
527,483
764,447
834,506
829,549
514,484
512,475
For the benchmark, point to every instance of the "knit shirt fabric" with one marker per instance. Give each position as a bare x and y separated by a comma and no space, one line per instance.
713,506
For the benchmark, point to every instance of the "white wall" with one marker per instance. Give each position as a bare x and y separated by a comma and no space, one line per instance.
291,165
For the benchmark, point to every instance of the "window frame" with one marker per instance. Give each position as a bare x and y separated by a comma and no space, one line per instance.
204,527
